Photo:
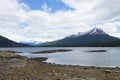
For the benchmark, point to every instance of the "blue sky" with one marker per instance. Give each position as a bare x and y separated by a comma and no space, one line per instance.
55,5
48,20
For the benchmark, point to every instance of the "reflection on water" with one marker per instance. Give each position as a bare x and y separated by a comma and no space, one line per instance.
78,56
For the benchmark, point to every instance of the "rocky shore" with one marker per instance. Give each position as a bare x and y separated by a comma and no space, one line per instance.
15,67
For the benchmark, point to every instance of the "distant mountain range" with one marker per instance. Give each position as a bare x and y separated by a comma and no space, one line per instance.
94,37
5,42
30,43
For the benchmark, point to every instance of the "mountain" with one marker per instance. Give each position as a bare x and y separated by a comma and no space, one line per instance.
5,42
91,38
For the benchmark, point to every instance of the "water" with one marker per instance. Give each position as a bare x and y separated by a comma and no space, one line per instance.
78,56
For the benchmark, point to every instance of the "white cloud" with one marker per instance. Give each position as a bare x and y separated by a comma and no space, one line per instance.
46,8
44,26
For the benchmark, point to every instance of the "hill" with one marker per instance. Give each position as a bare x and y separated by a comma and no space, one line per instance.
5,42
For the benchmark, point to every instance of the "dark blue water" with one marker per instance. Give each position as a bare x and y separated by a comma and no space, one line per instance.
78,56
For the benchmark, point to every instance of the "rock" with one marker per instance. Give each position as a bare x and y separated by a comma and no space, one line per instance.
107,71
84,79
1,77
16,62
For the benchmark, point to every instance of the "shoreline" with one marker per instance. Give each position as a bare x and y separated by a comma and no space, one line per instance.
16,67
43,59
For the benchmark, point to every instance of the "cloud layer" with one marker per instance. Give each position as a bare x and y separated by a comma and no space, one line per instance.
18,22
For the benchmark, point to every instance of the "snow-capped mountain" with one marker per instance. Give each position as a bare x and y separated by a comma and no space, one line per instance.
94,36
95,31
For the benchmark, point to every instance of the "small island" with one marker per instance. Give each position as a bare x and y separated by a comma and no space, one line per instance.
97,51
52,51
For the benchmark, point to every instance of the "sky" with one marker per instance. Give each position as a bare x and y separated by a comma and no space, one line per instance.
48,20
